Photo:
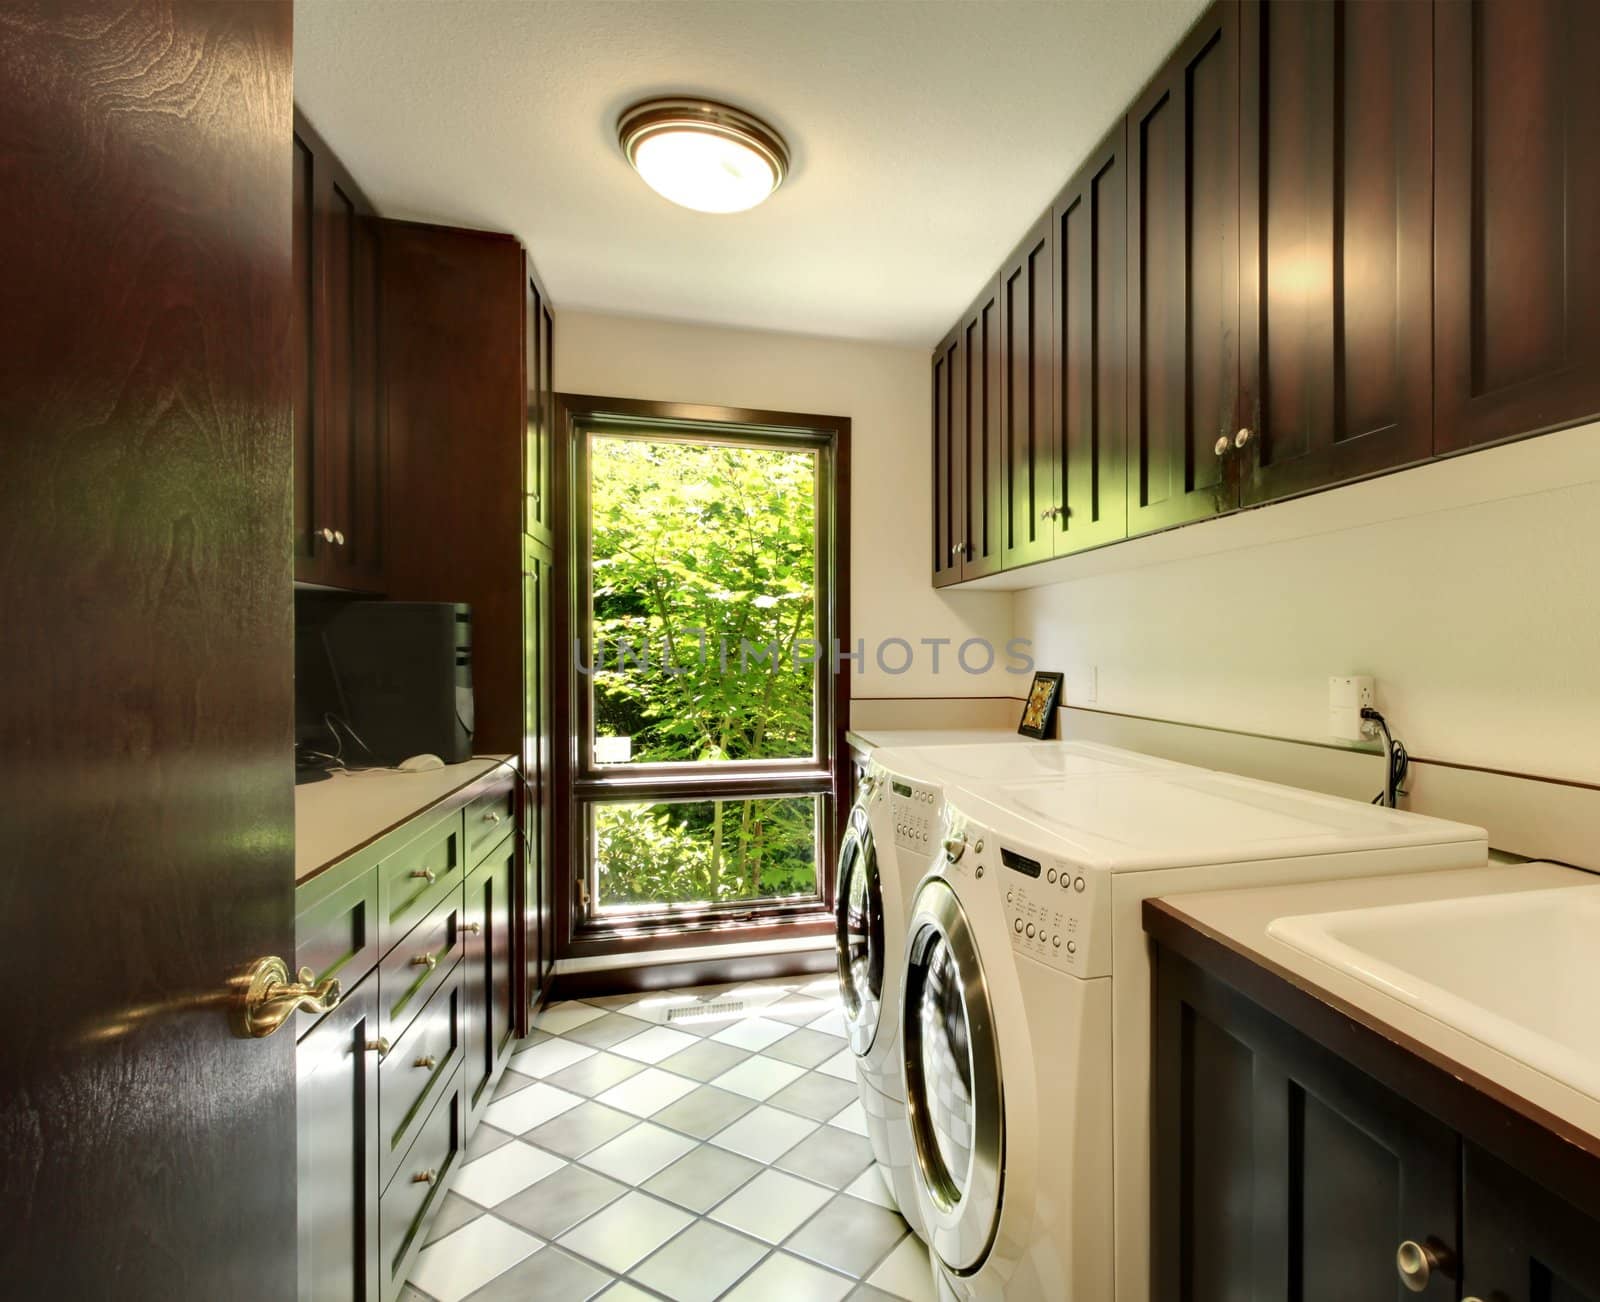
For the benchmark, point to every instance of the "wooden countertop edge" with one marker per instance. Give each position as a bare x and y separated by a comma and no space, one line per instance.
454,794
1486,1113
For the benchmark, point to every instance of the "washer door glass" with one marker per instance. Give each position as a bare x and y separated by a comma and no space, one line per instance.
953,1083
859,927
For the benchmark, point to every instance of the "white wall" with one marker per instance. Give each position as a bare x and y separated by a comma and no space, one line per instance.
884,391
1481,622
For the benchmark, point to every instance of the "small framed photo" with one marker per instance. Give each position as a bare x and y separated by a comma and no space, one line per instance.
1039,711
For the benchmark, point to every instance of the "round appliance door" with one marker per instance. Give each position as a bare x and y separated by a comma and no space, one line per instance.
858,925
954,1092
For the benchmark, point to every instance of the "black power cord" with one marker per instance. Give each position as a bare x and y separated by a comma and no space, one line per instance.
1397,762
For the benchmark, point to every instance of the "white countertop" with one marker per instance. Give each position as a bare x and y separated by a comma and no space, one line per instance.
1240,918
336,817
870,739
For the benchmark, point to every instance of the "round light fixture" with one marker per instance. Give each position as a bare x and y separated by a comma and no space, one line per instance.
707,156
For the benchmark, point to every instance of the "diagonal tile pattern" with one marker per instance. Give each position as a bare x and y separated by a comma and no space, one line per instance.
690,1145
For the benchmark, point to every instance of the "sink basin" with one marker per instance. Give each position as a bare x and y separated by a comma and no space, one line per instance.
1517,972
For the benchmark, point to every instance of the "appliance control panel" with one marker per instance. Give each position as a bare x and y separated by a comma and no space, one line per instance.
916,809
1051,909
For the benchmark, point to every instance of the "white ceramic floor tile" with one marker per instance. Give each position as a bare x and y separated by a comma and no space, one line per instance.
852,1118
647,1093
626,1232
622,1291
520,1112
508,1170
466,1260
823,987
758,1077
793,1280
558,1019
753,996
655,1044
700,1264
764,1134
639,1153
870,1187
842,1065
772,1206
549,1057
831,1023
752,1033
906,1272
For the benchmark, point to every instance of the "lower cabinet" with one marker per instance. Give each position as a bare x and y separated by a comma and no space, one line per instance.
1284,1172
491,1001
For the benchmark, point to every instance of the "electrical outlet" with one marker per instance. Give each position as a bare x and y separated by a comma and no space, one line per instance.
1348,695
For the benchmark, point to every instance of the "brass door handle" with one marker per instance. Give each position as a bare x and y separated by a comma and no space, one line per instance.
270,998
428,961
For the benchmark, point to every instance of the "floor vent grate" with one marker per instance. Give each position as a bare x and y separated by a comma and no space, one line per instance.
694,1012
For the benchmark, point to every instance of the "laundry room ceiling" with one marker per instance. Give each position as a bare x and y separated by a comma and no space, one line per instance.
925,136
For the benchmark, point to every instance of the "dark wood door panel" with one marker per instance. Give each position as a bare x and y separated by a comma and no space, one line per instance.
949,461
1518,239
1523,1244
146,731
982,480
1027,398
1183,245
1336,224
1089,219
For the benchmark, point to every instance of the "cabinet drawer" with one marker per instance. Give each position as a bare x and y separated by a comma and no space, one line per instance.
416,877
338,937
415,1068
489,818
416,967
418,1188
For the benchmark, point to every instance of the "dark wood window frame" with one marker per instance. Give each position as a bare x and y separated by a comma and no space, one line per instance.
579,784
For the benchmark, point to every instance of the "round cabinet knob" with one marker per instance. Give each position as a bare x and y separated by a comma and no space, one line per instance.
338,538
491,817
473,928
425,874
327,535
1241,438
1416,1263
1221,448
380,1046
427,1062
424,1177
429,961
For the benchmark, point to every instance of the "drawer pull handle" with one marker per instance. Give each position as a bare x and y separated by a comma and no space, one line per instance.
380,1046
424,1177
427,1062
428,961
426,874
493,816
472,928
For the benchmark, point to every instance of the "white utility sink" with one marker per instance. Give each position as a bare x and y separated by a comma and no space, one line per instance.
1519,972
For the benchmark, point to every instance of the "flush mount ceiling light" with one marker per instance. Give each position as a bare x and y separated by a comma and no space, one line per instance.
707,156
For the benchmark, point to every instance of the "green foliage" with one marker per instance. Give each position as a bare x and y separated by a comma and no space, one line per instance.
697,551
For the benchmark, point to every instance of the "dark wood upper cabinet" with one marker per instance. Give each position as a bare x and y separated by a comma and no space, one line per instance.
949,458
1027,399
1089,221
1336,276
339,449
1517,221
978,391
1183,281
539,366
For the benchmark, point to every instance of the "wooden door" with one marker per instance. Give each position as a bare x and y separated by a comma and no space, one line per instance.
980,508
1517,218
339,1143
1183,281
1337,242
1027,399
1522,1243
1089,221
949,461
146,734
538,342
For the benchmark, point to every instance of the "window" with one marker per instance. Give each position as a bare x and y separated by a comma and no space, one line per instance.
708,775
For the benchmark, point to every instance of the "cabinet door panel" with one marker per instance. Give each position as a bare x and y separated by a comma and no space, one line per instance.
1518,240
1027,398
538,367
949,456
979,422
1089,219
488,988
1183,242
538,887
1523,1244
307,488
1336,228
336,1120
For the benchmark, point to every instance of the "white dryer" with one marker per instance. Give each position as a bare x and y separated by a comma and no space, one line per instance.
1026,1012
892,833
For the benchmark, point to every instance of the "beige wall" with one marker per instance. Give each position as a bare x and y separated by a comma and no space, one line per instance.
884,391
1480,620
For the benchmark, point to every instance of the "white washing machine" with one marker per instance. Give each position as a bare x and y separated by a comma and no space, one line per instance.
892,834
1026,1013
